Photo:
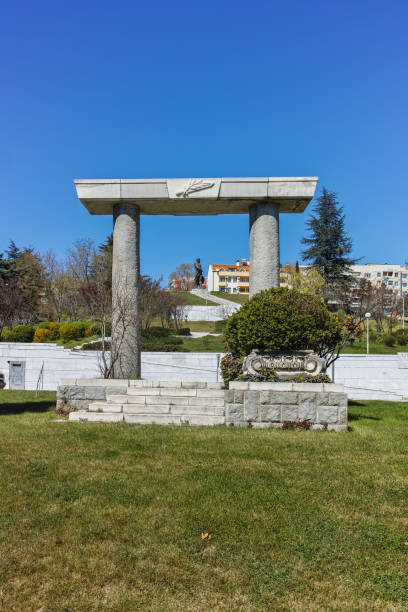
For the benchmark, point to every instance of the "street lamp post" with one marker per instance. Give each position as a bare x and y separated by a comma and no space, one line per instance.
367,316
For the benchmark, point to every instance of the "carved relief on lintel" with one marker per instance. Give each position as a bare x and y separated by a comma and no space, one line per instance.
193,188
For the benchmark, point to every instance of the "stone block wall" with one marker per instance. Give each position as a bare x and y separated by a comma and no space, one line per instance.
77,394
282,404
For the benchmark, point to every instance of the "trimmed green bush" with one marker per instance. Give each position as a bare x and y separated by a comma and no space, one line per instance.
389,340
401,336
282,319
18,333
73,331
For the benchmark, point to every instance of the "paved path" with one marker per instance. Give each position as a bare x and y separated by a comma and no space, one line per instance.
206,295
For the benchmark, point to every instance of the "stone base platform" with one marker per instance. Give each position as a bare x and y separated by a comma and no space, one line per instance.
285,404
281,404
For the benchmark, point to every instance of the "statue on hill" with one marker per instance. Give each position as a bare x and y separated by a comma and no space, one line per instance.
198,274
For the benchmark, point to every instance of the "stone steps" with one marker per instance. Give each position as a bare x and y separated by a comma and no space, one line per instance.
166,403
147,419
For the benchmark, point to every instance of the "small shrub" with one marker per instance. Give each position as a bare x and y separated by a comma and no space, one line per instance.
43,325
389,340
156,332
183,331
42,335
54,329
72,331
401,336
282,319
231,368
18,333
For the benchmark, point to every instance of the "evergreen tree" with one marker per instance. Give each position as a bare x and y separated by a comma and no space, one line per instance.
328,247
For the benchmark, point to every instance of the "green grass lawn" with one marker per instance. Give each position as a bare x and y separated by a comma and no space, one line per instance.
193,300
206,344
240,298
375,348
110,517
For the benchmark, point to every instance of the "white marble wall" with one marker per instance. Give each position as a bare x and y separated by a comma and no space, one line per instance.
364,377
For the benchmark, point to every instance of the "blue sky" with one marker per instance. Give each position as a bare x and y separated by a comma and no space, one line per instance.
178,89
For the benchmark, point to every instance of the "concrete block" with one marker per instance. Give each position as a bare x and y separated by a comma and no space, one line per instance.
215,385
308,387
262,425
80,415
333,388
241,385
104,407
327,414
262,386
151,409
172,384
62,391
152,419
238,396
322,399
289,412
251,403
78,404
76,392
229,396
317,427
134,399
144,391
342,415
205,401
210,393
105,417
237,423
338,399
307,411
307,406
264,397
186,410
270,413
234,412
158,399
283,397
95,393
193,385
202,419
178,392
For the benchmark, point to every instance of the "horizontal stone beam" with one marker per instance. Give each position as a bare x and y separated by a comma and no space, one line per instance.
196,196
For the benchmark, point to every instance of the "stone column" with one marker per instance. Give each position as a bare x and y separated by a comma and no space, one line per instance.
126,342
263,246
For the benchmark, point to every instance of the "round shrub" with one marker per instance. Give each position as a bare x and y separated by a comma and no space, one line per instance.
401,336
282,319
18,333
72,331
42,335
43,325
53,328
389,340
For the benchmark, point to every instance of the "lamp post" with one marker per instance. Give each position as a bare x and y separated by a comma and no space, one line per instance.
367,316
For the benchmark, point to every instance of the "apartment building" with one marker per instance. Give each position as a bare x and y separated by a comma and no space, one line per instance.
233,278
395,277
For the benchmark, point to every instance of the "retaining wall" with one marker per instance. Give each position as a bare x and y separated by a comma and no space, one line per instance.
364,377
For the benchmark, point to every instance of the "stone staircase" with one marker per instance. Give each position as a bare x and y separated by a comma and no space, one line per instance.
159,402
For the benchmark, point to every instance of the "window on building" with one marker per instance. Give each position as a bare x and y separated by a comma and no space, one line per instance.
404,275
367,275
404,284
378,273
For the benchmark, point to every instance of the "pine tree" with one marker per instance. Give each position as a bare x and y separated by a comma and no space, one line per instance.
328,247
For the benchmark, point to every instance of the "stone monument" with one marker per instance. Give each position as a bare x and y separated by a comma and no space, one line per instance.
198,274
262,198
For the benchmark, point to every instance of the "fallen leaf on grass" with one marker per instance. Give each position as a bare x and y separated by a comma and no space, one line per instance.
205,537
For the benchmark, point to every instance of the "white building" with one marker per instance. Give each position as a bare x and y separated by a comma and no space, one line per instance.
395,277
